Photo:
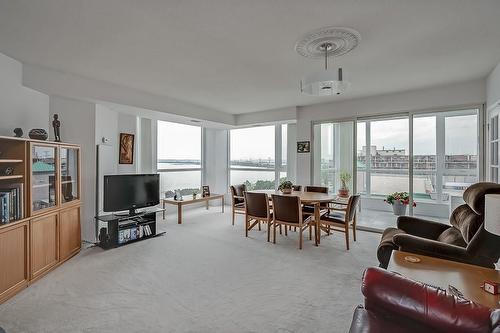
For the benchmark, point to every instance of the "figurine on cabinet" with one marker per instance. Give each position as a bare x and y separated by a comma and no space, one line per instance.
57,126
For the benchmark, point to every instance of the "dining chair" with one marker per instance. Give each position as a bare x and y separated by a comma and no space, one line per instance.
297,188
257,211
309,209
318,189
237,200
340,219
287,211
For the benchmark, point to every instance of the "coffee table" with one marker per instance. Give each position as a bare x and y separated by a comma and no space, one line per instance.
441,273
188,200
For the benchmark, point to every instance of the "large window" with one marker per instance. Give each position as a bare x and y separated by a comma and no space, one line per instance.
334,142
179,158
433,156
258,156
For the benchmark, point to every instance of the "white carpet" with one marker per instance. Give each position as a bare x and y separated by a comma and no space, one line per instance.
202,276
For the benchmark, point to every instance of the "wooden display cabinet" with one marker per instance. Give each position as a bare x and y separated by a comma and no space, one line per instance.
43,184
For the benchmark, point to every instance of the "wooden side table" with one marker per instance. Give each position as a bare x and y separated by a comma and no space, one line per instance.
189,200
468,279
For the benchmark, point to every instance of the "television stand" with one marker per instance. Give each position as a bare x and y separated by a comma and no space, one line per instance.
117,230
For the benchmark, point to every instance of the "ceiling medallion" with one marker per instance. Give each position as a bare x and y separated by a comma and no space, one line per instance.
342,41
326,42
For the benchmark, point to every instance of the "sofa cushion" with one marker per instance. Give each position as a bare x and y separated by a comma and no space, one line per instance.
474,195
452,236
467,221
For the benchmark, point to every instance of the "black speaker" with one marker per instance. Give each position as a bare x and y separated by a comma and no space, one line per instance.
103,239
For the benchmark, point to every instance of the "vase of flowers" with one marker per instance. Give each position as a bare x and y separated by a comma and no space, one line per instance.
285,187
399,202
345,178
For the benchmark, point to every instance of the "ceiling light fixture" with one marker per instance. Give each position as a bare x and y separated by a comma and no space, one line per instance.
326,42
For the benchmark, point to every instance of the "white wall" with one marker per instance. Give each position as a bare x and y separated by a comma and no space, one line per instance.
78,126
74,86
216,156
435,98
19,106
493,87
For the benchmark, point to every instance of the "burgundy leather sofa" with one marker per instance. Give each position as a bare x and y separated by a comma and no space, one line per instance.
397,304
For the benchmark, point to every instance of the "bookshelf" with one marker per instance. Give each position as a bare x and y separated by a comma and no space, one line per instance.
39,209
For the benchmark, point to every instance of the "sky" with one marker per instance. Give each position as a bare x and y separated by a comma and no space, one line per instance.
252,143
461,135
178,141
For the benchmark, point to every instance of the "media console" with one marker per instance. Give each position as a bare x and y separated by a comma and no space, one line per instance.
118,230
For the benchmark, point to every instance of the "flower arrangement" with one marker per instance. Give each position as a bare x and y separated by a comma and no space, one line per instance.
402,197
285,186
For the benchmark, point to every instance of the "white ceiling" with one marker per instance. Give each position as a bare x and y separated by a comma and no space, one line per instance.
238,56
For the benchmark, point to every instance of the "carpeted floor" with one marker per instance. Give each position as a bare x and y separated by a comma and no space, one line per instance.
202,276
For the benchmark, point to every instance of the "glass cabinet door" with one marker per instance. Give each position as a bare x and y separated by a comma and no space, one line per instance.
43,181
69,174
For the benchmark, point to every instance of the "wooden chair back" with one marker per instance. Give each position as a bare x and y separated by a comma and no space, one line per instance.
317,189
238,191
287,209
257,205
352,206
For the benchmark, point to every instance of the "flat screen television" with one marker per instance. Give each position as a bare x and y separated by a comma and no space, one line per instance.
129,192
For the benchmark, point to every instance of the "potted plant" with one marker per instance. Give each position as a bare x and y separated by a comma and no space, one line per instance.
285,187
345,178
399,202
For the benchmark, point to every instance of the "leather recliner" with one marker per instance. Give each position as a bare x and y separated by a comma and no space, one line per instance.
395,304
463,240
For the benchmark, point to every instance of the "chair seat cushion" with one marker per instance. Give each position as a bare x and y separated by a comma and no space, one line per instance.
333,217
452,236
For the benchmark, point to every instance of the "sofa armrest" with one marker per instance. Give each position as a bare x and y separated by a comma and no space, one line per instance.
403,299
420,227
431,248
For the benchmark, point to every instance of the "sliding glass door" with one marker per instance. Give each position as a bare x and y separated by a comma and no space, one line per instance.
433,156
334,142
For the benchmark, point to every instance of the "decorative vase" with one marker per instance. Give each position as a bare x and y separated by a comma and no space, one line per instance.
398,208
343,192
286,191
38,134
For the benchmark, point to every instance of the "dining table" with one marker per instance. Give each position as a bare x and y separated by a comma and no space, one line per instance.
311,198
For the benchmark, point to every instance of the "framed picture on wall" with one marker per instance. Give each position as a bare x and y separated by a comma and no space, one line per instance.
303,146
126,148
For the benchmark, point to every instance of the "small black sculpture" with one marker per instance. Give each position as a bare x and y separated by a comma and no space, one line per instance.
18,132
8,171
57,125
38,134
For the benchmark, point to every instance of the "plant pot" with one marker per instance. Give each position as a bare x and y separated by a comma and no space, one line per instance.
343,192
398,208
286,191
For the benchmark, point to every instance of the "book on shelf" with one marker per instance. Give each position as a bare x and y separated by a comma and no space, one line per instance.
11,203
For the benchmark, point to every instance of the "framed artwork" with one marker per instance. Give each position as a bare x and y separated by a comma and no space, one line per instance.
205,191
126,148
303,146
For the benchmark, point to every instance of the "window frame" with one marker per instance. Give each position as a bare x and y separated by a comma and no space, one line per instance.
482,139
202,150
278,163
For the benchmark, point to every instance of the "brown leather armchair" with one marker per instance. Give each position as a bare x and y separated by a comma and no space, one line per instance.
395,304
464,240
